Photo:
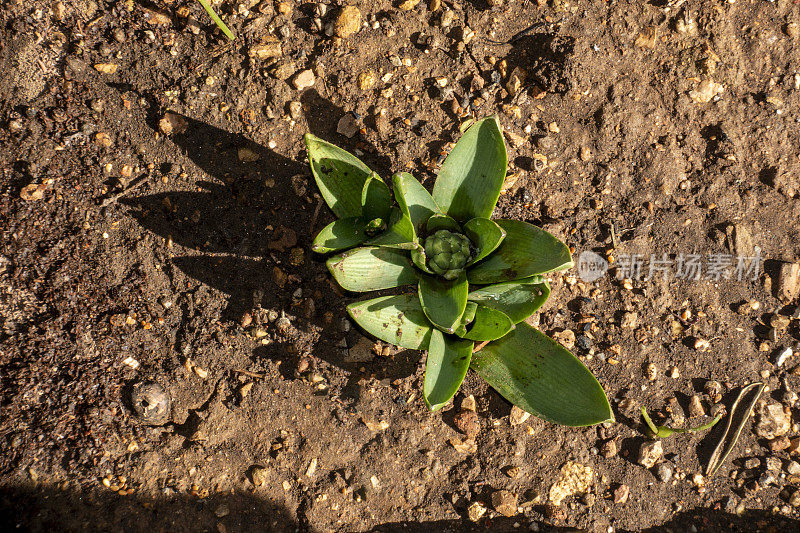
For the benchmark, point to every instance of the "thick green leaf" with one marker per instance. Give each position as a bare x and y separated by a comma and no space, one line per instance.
437,222
399,234
339,174
540,376
516,299
340,235
443,301
414,200
526,251
372,269
396,319
376,199
486,235
448,361
467,318
489,324
469,182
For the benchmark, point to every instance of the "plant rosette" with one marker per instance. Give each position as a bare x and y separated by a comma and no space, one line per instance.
477,279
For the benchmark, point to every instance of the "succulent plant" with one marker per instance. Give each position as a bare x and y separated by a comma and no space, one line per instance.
477,279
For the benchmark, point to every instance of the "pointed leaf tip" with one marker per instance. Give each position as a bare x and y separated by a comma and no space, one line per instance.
445,368
469,182
540,376
339,175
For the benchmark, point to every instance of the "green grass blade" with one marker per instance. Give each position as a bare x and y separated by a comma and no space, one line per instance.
218,21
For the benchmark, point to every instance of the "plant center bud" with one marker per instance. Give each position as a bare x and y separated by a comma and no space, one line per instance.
447,253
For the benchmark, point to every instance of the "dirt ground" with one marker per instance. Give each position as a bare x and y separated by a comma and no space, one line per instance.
157,211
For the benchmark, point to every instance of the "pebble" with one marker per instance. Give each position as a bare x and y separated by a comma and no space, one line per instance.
258,475
151,402
773,422
793,467
348,22
664,472
651,371
518,416
266,50
566,338
304,79
774,464
707,90
408,5
467,422
295,110
367,80
794,500
696,406
504,502
789,281
621,494
347,126
222,510
575,478
447,18
475,511
650,453
609,448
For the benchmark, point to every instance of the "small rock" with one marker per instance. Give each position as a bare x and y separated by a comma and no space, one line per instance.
566,338
475,511
267,49
773,422
621,494
788,285
171,123
469,404
367,80
794,500
609,448
650,453
347,126
151,403
374,425
468,422
793,467
106,68
504,502
348,22
517,416
647,38
780,444
575,478
629,321
258,475
222,510
774,464
361,352
696,406
33,192
304,79
707,90
447,18
664,472
512,471
408,5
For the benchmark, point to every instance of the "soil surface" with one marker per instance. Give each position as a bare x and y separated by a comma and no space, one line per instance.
157,211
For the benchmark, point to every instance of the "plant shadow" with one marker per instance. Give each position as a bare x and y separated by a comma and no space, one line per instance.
250,222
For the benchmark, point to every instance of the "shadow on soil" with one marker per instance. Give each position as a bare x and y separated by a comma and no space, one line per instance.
249,218
35,509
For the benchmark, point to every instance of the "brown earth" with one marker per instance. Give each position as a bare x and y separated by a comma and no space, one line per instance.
187,256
